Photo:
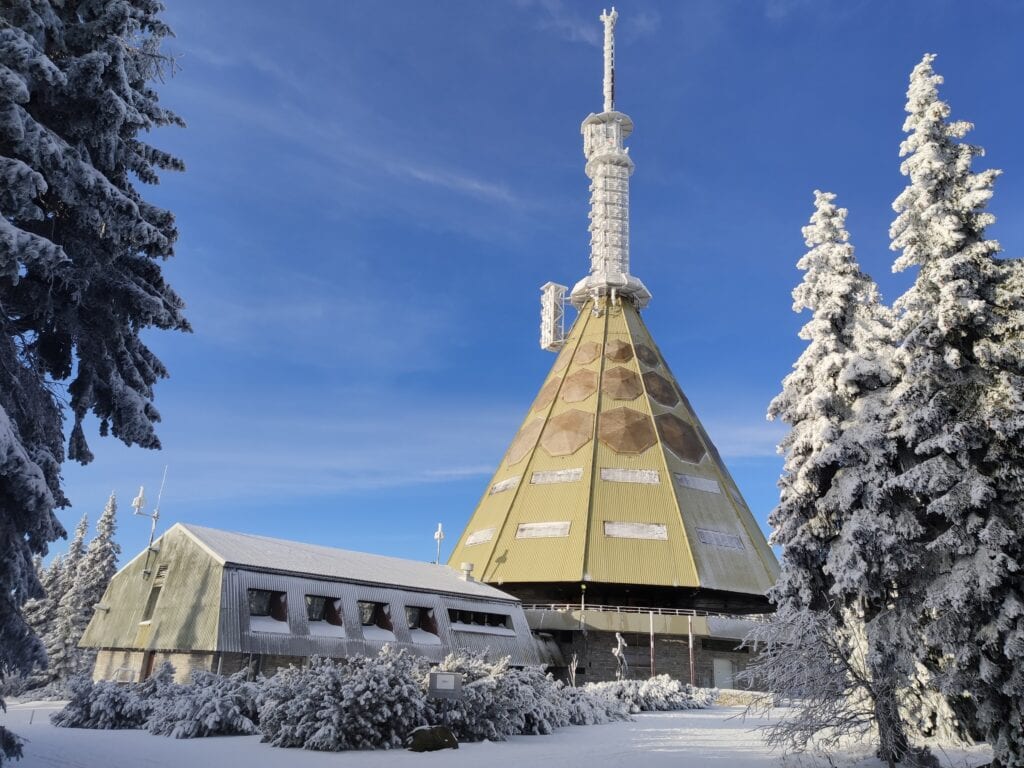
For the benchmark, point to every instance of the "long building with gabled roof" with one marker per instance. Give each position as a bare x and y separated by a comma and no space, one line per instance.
207,599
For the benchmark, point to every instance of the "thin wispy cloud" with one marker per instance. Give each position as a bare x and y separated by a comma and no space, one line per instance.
746,440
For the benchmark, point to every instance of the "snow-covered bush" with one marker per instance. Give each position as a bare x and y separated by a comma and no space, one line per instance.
102,705
586,708
500,701
107,705
354,703
657,694
210,706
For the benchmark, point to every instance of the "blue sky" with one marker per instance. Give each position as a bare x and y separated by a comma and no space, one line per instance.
375,192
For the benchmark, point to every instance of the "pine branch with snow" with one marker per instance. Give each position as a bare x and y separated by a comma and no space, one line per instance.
80,248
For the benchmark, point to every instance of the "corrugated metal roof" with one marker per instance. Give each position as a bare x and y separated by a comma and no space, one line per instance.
246,550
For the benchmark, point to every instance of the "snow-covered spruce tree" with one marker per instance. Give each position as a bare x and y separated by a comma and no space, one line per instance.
97,566
41,612
61,644
841,551
79,260
959,419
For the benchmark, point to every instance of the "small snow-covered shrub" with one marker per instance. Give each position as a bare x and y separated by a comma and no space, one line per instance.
486,710
500,701
102,705
660,693
585,708
354,703
114,706
210,705
55,690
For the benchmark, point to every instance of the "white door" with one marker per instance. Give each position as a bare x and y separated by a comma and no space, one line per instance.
723,670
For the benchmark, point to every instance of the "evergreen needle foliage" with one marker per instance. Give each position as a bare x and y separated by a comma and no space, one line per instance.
80,252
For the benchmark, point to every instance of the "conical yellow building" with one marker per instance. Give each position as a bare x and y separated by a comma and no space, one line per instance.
612,494
612,482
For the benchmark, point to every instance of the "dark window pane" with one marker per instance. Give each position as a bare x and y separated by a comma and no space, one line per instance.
366,612
315,607
259,602
154,595
412,616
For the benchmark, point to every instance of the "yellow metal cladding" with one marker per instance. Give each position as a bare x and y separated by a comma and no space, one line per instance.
592,488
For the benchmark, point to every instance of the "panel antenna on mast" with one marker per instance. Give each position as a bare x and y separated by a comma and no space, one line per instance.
139,503
552,316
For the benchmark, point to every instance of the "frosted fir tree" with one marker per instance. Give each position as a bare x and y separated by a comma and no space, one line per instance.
80,253
41,612
959,421
62,650
840,552
95,568
817,400
98,564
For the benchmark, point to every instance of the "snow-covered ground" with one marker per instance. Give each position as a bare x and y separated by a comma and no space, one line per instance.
706,737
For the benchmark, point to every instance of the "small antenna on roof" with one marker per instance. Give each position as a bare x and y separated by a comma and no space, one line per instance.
139,502
438,537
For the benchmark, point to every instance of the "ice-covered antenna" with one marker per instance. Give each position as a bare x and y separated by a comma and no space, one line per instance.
609,167
438,537
139,502
609,20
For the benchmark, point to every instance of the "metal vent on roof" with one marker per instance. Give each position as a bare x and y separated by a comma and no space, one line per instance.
504,485
698,483
543,530
719,539
479,537
651,531
550,477
643,476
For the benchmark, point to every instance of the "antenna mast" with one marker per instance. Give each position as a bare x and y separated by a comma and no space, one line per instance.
609,20
139,502
609,168
438,537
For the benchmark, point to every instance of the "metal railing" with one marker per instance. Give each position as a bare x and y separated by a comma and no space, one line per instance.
564,607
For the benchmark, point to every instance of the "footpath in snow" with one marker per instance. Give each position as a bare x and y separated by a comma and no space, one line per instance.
716,737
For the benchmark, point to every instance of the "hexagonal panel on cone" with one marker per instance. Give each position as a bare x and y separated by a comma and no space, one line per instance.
567,432
680,437
547,394
660,389
625,430
646,355
579,386
588,352
621,384
524,441
618,351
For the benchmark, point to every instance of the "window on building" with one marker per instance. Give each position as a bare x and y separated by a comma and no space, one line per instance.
376,620
375,614
268,610
154,595
480,621
324,614
422,625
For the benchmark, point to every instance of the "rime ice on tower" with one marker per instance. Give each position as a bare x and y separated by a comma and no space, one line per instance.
609,168
611,481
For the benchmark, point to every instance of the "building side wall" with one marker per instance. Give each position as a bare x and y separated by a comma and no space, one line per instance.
236,633
595,662
186,613
129,666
